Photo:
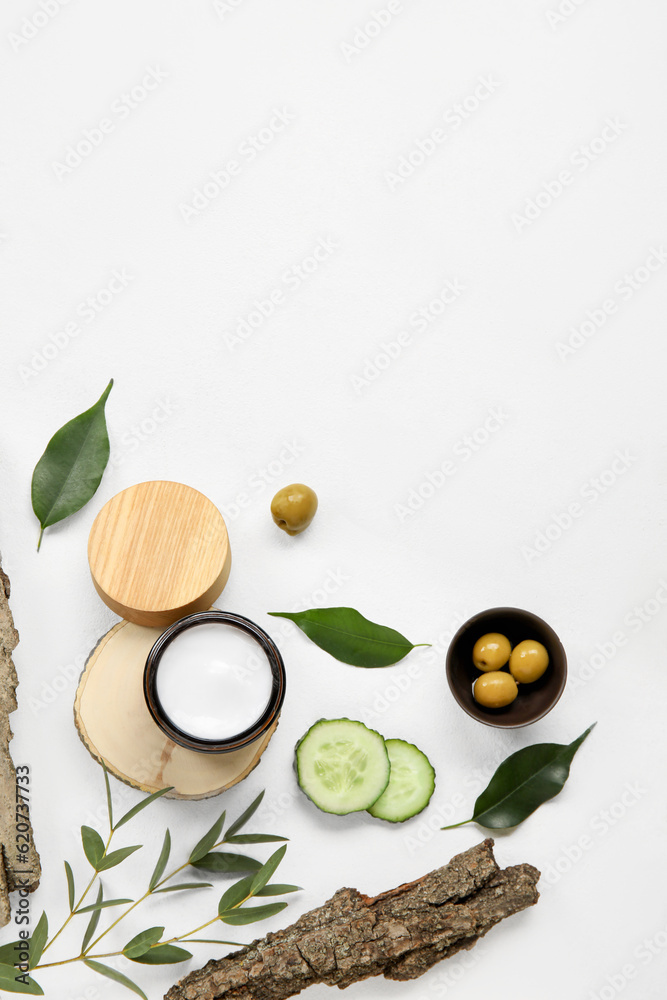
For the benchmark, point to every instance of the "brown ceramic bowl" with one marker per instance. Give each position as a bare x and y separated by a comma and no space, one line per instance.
534,700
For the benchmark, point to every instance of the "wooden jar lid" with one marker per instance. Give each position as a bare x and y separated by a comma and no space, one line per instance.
158,551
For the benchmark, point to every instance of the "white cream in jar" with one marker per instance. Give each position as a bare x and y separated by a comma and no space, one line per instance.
213,681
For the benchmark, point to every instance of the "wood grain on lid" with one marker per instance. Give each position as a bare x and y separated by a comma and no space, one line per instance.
157,551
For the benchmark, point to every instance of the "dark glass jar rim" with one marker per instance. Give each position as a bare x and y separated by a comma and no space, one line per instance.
249,735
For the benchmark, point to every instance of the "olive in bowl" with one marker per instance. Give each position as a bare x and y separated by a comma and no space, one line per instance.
535,699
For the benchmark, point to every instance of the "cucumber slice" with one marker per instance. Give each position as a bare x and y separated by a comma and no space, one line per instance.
341,765
411,783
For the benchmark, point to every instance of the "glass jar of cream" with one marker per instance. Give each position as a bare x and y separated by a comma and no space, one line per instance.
214,682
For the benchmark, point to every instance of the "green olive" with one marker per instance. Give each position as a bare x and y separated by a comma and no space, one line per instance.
294,507
528,661
491,652
495,689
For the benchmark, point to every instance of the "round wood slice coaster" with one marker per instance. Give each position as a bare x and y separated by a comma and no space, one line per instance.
159,551
114,724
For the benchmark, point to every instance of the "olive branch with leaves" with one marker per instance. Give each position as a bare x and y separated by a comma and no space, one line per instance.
148,947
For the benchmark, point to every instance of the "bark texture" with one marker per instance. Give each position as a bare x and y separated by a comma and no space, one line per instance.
17,870
399,934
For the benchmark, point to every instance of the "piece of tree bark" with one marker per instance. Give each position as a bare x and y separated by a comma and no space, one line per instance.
398,934
18,870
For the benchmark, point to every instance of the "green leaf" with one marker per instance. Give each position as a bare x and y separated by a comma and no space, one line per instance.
219,861
8,982
350,637
245,816
38,939
523,782
254,838
114,974
103,905
235,894
158,871
267,870
109,802
277,889
163,954
116,857
186,885
131,813
32,946
249,914
208,840
142,942
93,845
71,468
70,885
8,952
93,922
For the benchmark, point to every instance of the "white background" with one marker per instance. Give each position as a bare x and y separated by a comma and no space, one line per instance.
195,402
